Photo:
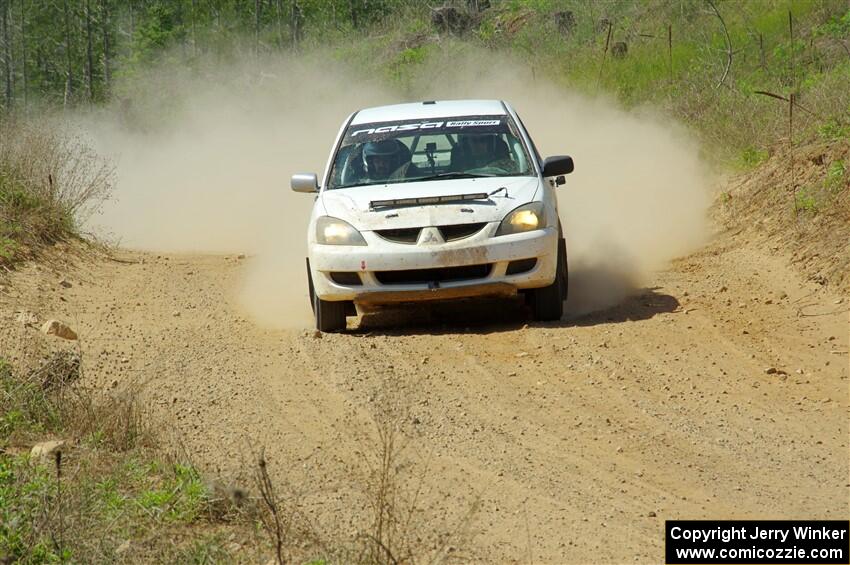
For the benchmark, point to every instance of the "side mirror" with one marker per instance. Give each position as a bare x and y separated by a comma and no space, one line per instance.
557,165
305,182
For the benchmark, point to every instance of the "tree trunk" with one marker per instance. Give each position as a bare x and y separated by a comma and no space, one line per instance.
89,54
24,74
181,23
294,23
69,70
257,27
352,10
279,13
132,20
105,23
5,8
194,36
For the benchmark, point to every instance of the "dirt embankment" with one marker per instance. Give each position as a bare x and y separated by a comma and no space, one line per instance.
797,204
719,391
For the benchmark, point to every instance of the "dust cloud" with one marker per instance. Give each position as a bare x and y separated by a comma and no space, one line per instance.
639,193
204,165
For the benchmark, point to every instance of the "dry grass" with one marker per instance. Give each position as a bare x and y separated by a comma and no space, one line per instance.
400,526
48,400
288,529
50,180
105,495
397,523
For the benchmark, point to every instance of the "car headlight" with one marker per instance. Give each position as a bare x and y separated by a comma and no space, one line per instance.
527,217
333,231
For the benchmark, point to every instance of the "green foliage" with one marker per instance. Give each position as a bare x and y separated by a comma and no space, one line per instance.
179,499
160,27
805,201
486,32
751,157
836,178
23,490
836,27
205,550
111,502
8,247
24,406
682,78
50,59
834,130
24,212
412,56
406,62
108,496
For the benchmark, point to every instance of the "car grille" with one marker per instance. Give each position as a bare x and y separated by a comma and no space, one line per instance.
460,231
407,235
442,274
451,232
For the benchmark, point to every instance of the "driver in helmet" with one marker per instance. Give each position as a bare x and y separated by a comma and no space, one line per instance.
484,150
386,159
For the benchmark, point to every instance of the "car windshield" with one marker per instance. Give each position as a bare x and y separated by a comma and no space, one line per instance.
420,150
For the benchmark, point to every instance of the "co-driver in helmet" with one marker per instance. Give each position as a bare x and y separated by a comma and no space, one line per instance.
486,150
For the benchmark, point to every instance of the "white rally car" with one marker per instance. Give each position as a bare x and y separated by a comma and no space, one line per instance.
434,200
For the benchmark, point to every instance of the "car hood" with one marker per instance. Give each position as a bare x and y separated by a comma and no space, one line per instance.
353,204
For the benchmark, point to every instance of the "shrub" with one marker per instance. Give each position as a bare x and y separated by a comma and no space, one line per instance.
835,181
50,180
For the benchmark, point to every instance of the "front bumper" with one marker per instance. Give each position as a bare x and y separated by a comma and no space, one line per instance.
379,256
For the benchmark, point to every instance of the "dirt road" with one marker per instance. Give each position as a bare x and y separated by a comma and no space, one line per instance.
580,437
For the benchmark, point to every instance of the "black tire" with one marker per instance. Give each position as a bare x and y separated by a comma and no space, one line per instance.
310,289
564,269
547,303
330,316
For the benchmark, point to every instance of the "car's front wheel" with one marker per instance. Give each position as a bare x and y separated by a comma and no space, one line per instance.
547,303
330,316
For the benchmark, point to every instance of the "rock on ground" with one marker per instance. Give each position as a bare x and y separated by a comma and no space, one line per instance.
57,328
46,450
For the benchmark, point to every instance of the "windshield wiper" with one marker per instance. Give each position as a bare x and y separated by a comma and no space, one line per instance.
453,175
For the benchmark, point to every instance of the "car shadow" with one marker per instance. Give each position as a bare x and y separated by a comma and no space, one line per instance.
645,304
486,316
479,316
611,293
